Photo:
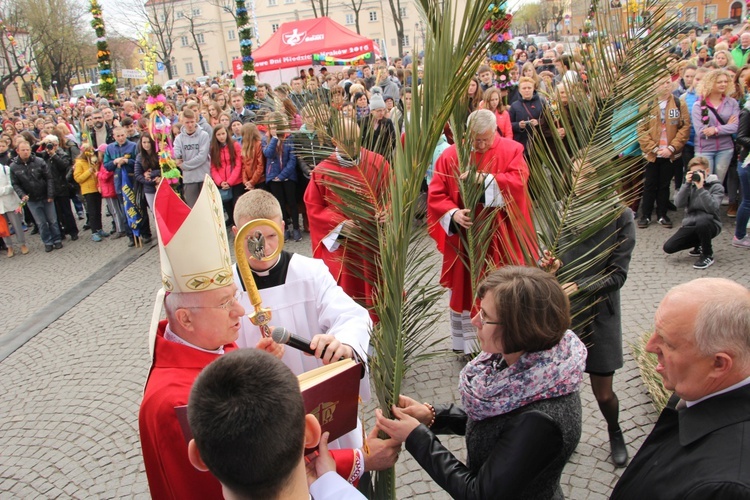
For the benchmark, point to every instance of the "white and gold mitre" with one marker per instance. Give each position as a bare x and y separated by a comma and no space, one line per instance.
193,245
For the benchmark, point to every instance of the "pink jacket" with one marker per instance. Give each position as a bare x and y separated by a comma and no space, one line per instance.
106,183
231,174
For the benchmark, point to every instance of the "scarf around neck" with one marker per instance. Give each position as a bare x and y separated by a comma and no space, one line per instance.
489,387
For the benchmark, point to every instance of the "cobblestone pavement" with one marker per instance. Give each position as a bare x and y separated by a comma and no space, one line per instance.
69,397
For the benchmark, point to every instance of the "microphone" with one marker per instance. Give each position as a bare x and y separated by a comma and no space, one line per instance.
281,335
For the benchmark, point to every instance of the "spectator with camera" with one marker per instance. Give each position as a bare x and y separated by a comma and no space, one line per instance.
700,196
59,165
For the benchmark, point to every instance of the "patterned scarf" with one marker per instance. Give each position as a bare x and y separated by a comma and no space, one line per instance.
489,387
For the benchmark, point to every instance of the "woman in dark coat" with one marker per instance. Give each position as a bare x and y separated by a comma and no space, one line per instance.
521,408
595,307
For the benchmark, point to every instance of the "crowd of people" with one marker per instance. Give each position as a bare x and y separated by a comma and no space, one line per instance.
61,162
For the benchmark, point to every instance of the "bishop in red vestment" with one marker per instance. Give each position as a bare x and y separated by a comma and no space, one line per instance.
503,170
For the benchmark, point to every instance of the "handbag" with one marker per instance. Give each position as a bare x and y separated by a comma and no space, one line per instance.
226,195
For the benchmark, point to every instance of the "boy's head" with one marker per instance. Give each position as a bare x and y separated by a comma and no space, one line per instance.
699,163
249,427
259,204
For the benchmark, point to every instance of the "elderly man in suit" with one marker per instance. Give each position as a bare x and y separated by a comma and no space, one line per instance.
700,446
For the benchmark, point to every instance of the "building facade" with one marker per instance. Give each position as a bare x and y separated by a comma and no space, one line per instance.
209,27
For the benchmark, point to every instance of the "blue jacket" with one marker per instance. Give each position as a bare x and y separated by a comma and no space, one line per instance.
114,151
690,97
284,168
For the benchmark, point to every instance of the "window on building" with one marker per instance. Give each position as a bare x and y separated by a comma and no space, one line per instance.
691,14
162,17
196,12
231,35
402,11
205,66
271,3
710,13
406,41
288,1
373,15
350,19
200,38
184,41
221,64
274,27
180,14
189,68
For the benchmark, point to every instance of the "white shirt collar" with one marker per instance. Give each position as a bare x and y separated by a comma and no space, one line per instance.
173,337
741,383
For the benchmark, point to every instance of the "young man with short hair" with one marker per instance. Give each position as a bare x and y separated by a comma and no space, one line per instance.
191,151
250,430
661,136
700,196
485,77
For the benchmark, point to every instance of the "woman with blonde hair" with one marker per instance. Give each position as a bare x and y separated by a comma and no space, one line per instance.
715,117
721,58
85,173
493,102
253,161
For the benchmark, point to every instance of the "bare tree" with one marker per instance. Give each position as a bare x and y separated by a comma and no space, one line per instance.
322,5
151,19
14,59
60,36
161,18
228,6
356,7
399,23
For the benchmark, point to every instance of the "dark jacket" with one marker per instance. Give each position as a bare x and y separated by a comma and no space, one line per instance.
701,205
58,166
284,168
694,453
518,455
523,110
31,178
742,141
5,158
92,136
149,186
381,140
596,308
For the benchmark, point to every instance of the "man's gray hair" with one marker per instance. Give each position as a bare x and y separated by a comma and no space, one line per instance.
481,121
722,323
177,300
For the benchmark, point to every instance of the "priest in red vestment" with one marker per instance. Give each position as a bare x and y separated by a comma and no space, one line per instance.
501,168
203,322
348,247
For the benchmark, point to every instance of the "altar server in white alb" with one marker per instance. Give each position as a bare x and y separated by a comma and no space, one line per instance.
303,298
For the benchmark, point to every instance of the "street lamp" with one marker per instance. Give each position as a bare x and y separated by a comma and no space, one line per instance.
54,85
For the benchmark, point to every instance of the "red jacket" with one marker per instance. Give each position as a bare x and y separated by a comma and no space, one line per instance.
231,173
106,183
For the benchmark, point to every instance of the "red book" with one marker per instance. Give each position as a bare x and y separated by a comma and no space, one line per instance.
331,394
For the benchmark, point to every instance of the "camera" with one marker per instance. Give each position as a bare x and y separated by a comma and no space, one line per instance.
696,177
49,146
546,60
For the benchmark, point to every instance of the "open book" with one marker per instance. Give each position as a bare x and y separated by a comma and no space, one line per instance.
331,394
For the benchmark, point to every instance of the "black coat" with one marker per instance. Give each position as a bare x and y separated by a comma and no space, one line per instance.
523,110
742,141
596,308
381,140
31,178
517,455
58,166
696,453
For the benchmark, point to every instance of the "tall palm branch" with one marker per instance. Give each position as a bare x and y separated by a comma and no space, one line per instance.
406,285
578,182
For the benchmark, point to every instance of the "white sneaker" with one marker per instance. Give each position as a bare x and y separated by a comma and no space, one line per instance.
743,243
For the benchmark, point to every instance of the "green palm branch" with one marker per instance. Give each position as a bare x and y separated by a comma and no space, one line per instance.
406,282
577,182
